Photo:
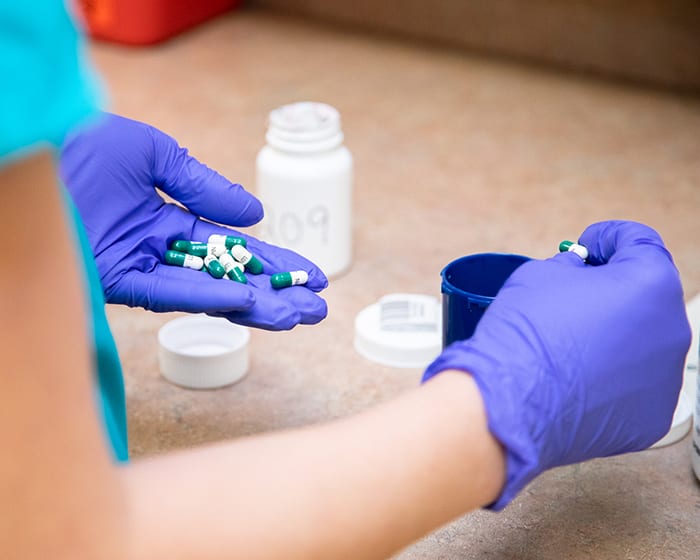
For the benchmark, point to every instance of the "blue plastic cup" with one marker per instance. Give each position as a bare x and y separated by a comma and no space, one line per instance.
469,285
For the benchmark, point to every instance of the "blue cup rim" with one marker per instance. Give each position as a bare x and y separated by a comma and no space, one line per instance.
448,288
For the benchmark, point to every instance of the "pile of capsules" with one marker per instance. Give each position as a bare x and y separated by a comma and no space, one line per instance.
226,255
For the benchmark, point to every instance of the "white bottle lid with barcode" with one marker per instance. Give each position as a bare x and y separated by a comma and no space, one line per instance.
400,330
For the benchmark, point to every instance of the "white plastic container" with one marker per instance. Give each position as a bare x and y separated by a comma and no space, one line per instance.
691,379
695,452
304,180
200,352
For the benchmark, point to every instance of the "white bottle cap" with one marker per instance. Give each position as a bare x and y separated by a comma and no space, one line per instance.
304,127
201,352
400,330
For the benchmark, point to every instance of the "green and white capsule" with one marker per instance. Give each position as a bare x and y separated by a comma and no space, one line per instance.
216,249
247,259
177,258
287,279
226,240
180,245
572,247
234,270
196,248
214,267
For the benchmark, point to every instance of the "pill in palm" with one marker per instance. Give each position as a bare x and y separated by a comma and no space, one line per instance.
247,259
286,279
233,269
227,240
184,260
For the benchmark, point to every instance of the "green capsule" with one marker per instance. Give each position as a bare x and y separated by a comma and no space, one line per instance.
180,245
238,275
214,267
227,240
184,260
231,241
286,279
564,246
247,259
234,270
197,248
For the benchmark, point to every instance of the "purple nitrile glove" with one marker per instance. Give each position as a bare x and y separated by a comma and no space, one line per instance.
576,360
112,170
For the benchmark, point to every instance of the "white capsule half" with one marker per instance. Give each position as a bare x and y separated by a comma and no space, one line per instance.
228,262
217,239
580,250
195,263
216,250
241,254
299,277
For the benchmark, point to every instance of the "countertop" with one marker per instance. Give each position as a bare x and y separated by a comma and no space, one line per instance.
454,154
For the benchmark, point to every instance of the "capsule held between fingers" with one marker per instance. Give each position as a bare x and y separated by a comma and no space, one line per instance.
572,247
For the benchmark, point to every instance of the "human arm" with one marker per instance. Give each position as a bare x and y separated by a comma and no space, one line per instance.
365,486
61,496
359,488
112,169
58,489
47,396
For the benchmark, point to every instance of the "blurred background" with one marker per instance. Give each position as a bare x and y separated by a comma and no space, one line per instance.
650,41
475,126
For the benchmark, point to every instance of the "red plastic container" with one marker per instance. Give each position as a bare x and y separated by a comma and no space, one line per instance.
145,22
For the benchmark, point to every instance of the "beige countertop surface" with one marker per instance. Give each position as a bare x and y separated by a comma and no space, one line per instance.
454,154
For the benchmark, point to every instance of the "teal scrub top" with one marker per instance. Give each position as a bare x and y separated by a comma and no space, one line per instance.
48,88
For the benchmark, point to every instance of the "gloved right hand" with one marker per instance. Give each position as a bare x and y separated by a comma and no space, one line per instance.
577,360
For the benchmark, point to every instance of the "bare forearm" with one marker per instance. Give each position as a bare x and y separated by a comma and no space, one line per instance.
357,488
58,496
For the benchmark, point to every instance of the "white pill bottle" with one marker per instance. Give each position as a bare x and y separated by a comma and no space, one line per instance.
304,181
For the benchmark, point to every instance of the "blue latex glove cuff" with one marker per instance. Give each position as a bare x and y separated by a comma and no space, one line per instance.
515,435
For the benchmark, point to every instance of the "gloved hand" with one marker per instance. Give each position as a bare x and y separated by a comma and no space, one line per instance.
575,360
112,169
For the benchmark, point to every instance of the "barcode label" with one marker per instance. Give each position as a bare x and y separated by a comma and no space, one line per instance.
408,312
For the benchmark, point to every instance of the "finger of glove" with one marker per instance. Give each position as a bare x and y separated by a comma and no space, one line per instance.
620,241
269,313
202,190
272,309
311,308
562,260
273,314
274,259
171,288
537,273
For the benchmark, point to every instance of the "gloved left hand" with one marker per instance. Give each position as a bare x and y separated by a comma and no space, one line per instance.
112,169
